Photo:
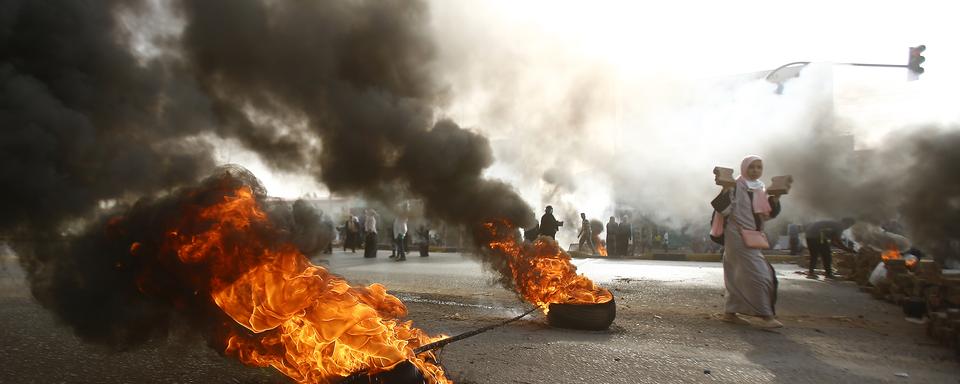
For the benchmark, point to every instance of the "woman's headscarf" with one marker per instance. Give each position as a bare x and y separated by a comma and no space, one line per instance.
752,184
761,205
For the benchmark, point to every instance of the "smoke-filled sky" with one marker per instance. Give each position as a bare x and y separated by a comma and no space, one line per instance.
587,103
585,106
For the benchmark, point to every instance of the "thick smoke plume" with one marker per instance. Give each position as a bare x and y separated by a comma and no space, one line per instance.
82,120
911,181
342,90
359,76
114,294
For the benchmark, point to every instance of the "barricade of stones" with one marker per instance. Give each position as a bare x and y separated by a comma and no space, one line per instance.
924,290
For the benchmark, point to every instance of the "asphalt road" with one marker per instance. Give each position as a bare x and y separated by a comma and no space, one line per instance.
665,332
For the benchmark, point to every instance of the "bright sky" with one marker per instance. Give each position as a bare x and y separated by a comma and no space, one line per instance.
705,38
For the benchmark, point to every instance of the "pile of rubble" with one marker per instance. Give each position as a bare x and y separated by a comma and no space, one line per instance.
923,290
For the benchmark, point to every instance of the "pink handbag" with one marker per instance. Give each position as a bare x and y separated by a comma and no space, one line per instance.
753,239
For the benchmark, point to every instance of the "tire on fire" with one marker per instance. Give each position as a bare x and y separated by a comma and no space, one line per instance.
590,317
403,373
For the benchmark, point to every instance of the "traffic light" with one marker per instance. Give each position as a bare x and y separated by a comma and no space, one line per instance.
916,58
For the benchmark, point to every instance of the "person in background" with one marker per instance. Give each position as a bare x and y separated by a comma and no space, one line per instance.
370,234
400,236
351,238
612,230
330,228
586,234
624,233
793,234
820,236
549,224
666,241
424,232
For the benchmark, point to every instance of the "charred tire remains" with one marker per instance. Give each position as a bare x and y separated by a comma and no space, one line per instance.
403,373
591,317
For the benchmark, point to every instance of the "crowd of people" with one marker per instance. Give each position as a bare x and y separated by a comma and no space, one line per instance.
363,233
621,237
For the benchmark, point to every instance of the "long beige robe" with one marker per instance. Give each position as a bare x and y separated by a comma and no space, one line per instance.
750,280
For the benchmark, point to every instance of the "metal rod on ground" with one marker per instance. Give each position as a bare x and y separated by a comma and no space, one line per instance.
444,342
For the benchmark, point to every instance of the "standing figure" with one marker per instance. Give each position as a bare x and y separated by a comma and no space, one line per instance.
820,236
400,236
330,229
549,224
666,242
354,233
624,233
612,230
793,234
370,234
424,232
586,234
750,280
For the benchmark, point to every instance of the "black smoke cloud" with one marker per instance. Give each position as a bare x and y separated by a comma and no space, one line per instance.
359,74
912,177
85,121
114,295
82,121
931,192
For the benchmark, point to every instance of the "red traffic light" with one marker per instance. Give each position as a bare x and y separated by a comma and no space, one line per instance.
916,59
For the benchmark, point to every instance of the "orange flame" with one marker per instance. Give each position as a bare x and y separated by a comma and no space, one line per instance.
601,249
892,253
542,272
299,318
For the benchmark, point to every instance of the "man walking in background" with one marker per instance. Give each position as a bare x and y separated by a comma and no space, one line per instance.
586,234
820,236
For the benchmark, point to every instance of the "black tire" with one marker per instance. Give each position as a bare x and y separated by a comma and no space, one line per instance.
590,317
403,373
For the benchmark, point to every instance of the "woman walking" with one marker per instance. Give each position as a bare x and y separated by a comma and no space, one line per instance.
750,280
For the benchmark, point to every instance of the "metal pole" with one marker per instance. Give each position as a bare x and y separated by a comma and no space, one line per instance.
441,343
877,65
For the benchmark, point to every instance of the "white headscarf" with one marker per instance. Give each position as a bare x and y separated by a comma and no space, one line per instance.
756,184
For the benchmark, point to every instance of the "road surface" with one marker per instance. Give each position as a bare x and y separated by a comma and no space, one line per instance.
665,332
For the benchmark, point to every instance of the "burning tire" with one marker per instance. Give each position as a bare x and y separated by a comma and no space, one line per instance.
591,317
403,373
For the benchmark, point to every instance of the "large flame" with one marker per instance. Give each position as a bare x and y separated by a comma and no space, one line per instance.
298,318
542,272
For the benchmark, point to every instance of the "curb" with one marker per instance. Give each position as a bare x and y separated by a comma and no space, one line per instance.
694,257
